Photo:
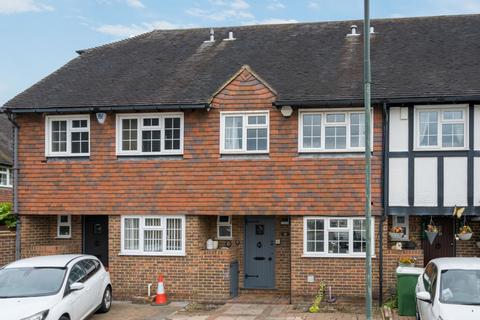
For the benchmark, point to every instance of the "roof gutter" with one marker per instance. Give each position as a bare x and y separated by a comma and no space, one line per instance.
111,108
389,101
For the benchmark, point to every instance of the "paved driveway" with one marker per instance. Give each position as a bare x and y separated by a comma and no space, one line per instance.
129,311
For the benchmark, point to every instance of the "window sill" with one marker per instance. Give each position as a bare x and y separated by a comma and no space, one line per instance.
247,156
6,187
49,159
437,149
63,238
149,157
145,254
335,256
336,154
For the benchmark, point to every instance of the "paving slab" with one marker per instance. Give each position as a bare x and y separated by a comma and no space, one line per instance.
129,311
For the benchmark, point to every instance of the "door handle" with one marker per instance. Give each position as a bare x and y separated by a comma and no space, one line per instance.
259,258
270,259
250,276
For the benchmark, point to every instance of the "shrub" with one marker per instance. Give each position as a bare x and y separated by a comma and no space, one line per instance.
6,216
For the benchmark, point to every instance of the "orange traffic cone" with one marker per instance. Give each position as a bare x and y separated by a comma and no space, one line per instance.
161,297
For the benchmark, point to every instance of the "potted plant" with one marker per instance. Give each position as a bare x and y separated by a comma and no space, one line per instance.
7,219
465,233
407,261
431,232
396,234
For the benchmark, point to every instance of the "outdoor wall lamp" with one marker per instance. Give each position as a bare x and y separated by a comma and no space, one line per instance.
101,117
286,111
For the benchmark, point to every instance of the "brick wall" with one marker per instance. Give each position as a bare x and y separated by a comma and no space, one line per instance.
6,195
469,248
390,264
202,182
7,247
39,236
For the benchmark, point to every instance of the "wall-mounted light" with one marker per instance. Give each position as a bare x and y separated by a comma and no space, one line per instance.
286,111
101,117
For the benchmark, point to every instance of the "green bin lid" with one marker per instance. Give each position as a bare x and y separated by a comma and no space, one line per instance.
409,270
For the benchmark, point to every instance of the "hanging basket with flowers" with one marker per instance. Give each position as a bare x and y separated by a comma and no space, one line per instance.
465,233
432,231
396,234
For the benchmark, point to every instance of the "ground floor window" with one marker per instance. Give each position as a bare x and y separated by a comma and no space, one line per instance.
334,236
64,226
153,235
224,227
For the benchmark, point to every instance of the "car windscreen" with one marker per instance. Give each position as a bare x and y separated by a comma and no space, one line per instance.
30,282
460,287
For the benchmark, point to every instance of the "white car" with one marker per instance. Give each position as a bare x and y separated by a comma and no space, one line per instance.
449,289
64,287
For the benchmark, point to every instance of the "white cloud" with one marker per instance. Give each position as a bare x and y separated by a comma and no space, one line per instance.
275,5
21,6
222,10
135,4
313,5
122,31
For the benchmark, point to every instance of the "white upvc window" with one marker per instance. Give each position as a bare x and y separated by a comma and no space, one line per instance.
442,127
335,237
6,177
67,136
64,226
402,222
332,130
150,134
153,235
224,227
244,132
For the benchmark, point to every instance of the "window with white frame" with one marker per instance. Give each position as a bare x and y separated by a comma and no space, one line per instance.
332,130
153,235
224,227
441,127
335,236
64,226
244,132
402,222
67,136
150,134
5,177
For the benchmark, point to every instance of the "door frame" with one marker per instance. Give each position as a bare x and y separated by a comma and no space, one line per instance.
273,221
453,223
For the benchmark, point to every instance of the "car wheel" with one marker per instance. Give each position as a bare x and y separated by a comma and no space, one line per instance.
106,300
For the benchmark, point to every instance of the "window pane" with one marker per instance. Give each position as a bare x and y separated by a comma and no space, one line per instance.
152,240
335,117
174,234
129,134
359,235
453,115
64,230
79,142
59,136
151,140
225,231
357,130
224,219
257,139
172,133
453,135
233,132
3,177
131,233
257,120
315,235
336,137
312,125
428,128
153,222
338,242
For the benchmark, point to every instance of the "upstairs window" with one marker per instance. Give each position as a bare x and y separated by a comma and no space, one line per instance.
5,177
244,132
150,134
67,136
441,127
331,131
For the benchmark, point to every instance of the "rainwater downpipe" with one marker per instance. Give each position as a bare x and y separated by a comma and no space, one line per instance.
16,127
384,200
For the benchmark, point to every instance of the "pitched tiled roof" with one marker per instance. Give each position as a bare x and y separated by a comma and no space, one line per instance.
6,152
412,57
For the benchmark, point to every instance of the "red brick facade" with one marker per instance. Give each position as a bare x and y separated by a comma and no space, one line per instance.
7,247
6,195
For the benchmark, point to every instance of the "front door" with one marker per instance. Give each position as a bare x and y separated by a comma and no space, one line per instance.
444,243
259,252
95,240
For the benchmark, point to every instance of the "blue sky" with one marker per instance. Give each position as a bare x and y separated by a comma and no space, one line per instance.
39,36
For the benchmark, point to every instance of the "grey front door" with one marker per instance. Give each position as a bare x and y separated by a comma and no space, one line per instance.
259,252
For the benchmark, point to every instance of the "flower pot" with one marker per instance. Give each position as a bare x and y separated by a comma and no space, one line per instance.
406,264
396,236
465,236
431,236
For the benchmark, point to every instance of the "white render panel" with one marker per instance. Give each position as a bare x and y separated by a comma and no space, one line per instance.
398,133
425,182
398,182
476,182
455,181
476,129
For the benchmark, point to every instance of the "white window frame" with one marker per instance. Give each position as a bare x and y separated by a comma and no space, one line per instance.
327,228
70,129
140,251
8,172
139,117
405,225
224,224
64,224
246,126
324,113
440,109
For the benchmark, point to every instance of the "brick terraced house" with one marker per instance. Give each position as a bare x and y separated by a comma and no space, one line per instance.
139,151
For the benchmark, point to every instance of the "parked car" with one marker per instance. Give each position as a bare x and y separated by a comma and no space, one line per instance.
449,289
64,287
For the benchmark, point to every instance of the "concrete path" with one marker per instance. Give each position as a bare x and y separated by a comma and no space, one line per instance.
129,311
